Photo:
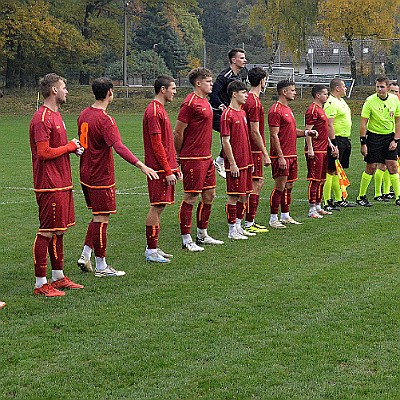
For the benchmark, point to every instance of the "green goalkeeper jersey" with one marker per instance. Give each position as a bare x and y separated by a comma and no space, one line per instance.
341,114
381,114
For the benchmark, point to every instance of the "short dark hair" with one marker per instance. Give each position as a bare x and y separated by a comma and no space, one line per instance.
48,81
198,73
285,83
256,75
333,83
383,79
162,80
235,86
232,53
316,89
100,87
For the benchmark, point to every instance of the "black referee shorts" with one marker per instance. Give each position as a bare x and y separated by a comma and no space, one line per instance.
378,148
344,146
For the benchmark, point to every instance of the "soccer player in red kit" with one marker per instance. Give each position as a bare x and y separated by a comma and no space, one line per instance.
159,153
52,185
193,139
237,158
316,150
99,134
255,118
283,135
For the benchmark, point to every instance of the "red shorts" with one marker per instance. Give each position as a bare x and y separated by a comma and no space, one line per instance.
56,210
159,192
290,171
258,165
198,175
242,185
100,200
317,167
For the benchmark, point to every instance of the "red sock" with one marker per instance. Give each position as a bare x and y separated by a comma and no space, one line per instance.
252,207
231,213
99,238
203,215
152,233
240,209
313,187
286,200
185,217
40,255
89,235
56,252
275,200
320,192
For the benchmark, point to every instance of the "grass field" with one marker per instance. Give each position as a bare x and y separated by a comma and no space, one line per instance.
311,312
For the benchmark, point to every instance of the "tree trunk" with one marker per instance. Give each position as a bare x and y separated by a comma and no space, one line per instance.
350,50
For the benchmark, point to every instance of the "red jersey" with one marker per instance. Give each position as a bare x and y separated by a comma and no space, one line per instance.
255,113
315,115
98,132
156,121
54,174
282,116
234,125
197,137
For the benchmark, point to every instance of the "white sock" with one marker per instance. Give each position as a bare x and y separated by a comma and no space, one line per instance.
202,233
57,274
40,281
238,222
318,207
86,252
219,160
186,239
151,251
285,215
273,218
248,224
232,227
101,263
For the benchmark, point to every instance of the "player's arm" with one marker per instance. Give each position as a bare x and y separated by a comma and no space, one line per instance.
215,99
306,132
276,145
310,147
226,145
332,138
363,136
178,135
45,152
257,138
393,143
128,156
161,157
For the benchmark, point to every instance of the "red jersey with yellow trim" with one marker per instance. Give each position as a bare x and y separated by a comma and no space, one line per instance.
98,132
197,137
255,113
234,125
156,121
281,116
54,174
316,116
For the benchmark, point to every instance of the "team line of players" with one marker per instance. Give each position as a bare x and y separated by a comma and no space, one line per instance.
171,155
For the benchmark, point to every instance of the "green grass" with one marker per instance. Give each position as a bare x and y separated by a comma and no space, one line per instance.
311,312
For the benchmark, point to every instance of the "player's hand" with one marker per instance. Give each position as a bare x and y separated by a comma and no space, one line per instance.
222,107
234,170
79,151
267,160
171,179
149,172
282,163
311,154
312,133
364,150
77,142
335,151
392,145
179,175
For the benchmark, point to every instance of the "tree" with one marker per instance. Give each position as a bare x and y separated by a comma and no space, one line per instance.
350,19
287,22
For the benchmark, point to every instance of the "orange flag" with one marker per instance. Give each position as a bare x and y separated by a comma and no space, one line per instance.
343,179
